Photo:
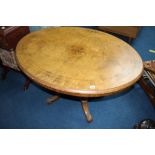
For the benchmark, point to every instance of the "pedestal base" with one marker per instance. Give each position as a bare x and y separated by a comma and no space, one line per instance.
84,104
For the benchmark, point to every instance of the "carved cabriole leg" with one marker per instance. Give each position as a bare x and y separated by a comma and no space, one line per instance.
86,111
53,99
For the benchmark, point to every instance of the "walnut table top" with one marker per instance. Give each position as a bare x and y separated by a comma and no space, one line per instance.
78,61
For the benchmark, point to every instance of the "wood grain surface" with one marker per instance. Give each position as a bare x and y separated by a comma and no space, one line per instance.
78,61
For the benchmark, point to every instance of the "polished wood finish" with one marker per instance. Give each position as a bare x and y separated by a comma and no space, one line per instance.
128,31
78,61
84,104
10,35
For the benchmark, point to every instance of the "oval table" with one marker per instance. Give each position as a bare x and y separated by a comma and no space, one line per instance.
79,62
